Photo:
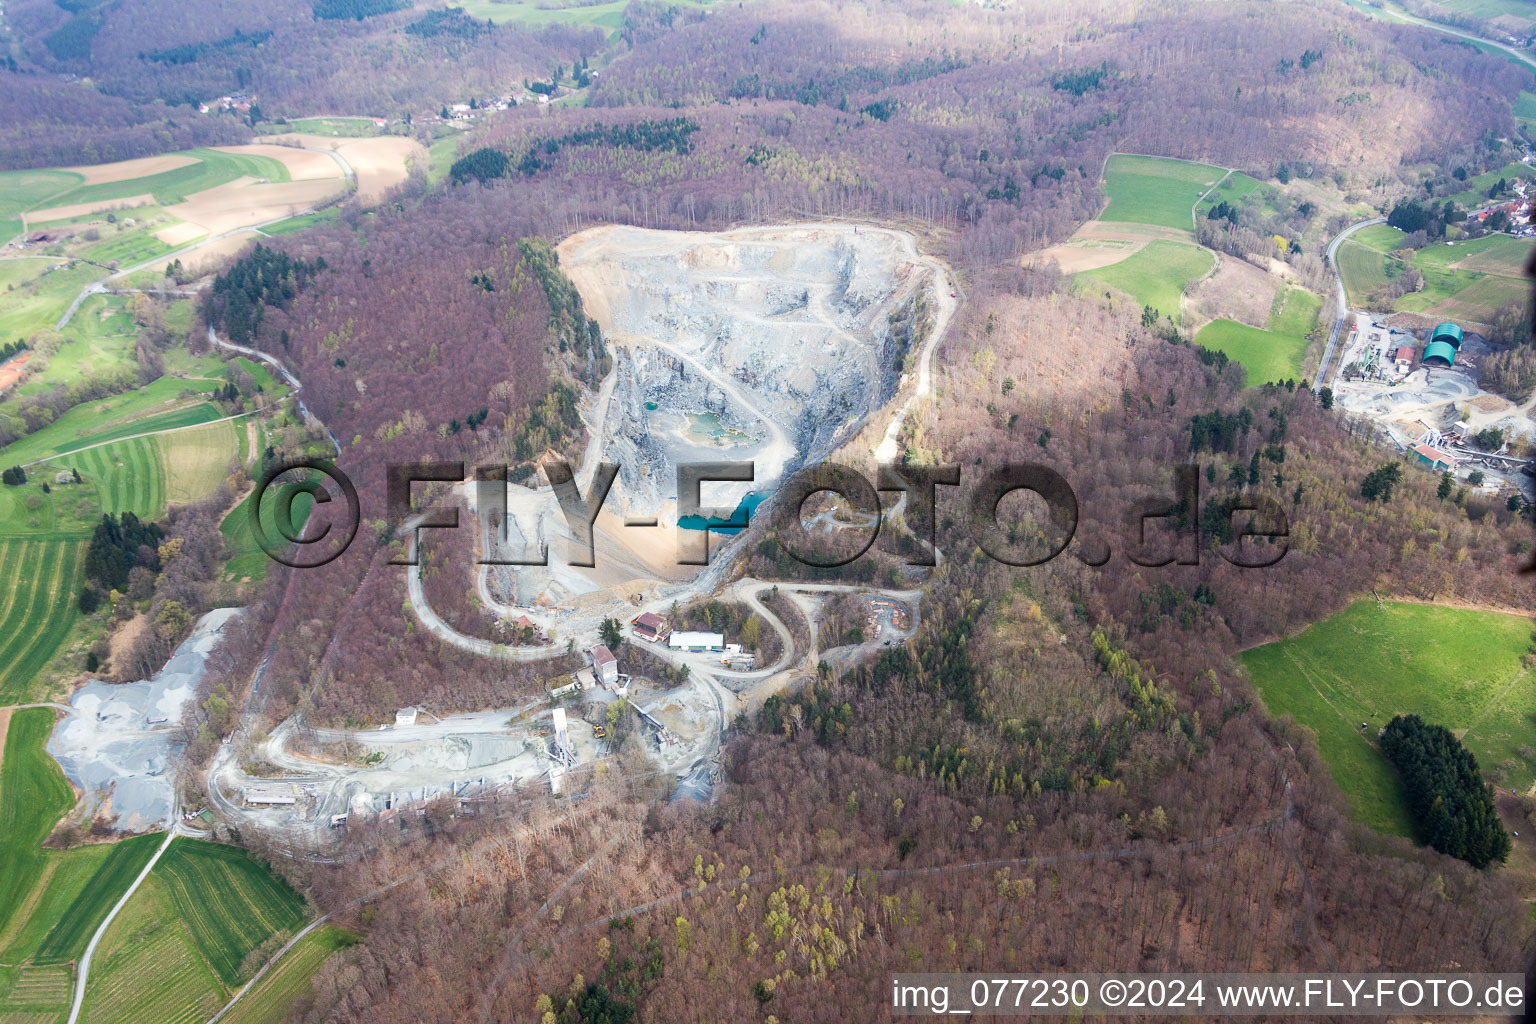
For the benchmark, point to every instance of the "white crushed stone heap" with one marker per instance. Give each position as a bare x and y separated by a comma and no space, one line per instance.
116,745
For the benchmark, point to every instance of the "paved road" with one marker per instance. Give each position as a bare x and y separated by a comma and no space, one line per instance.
1342,299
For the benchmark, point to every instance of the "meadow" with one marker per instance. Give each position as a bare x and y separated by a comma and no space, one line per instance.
33,795
98,342
248,561
1155,190
22,190
197,459
39,301
1240,190
229,902
180,942
154,406
212,168
341,127
1476,192
1459,668
113,867
1155,276
1275,351
1364,270
305,220
148,958
37,609
1525,110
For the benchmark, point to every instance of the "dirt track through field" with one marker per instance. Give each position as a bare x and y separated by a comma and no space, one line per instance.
380,163
126,170
1100,244
53,213
302,164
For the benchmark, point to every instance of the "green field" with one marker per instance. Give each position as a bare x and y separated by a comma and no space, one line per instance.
341,127
248,561
33,795
151,407
1155,276
1458,668
1493,254
97,343
1154,190
211,169
440,157
114,871
40,302
148,959
1463,280
178,944
229,901
196,460
272,997
37,608
1525,111
1381,237
304,220
1273,353
1476,192
1240,190
22,190
128,476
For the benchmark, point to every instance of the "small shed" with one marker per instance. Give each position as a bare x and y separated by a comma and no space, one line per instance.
405,716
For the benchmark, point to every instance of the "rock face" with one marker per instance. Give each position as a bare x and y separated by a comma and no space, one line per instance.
762,344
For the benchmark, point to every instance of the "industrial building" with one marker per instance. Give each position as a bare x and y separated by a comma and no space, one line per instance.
405,716
650,627
697,642
1444,343
270,794
1434,458
604,664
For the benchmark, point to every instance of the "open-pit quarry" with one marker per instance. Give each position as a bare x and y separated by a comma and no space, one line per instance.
774,345
765,345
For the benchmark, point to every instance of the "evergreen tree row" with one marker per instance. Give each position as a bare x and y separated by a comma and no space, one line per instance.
1452,806
116,547
267,277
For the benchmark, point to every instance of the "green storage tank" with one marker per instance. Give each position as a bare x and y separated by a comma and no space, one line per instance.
1439,353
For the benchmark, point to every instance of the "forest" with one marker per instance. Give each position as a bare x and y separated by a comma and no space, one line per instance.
150,66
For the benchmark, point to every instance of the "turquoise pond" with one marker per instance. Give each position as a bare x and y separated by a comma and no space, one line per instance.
735,524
